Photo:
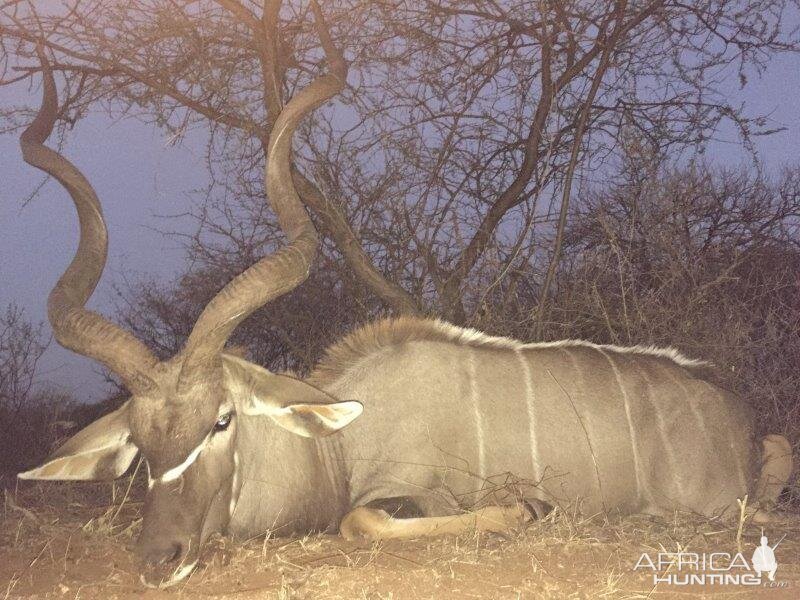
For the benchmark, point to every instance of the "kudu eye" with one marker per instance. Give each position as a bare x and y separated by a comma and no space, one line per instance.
223,422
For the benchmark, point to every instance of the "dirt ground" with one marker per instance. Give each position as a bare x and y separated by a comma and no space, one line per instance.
72,541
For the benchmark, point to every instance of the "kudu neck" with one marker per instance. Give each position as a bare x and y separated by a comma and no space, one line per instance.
287,483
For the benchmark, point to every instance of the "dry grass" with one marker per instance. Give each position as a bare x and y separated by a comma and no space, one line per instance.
72,541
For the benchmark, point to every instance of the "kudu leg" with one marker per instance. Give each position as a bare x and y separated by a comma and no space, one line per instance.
776,468
364,523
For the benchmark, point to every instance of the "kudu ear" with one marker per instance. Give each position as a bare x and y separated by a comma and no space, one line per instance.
294,405
102,450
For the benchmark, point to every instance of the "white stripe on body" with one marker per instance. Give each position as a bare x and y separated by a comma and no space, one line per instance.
637,461
475,399
529,401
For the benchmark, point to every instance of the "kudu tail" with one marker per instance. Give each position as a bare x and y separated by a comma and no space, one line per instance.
776,468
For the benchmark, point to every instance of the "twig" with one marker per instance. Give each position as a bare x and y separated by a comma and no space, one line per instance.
742,502
127,491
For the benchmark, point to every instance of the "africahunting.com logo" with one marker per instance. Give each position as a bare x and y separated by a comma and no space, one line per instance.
714,568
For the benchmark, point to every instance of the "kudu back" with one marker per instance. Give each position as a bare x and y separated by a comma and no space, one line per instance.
451,426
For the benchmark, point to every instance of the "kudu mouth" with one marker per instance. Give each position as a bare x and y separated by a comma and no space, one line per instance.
169,562
168,566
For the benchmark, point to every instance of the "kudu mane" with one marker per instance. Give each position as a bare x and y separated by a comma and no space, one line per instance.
395,331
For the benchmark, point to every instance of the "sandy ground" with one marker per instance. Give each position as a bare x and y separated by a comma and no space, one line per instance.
73,540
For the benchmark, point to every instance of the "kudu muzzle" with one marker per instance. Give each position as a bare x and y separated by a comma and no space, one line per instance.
169,537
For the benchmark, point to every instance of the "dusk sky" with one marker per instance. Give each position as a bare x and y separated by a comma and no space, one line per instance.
140,178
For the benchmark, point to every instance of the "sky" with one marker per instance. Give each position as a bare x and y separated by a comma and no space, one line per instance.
140,177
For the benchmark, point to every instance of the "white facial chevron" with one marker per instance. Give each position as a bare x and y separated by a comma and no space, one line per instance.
176,472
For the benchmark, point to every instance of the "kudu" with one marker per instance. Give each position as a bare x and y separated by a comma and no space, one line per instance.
449,414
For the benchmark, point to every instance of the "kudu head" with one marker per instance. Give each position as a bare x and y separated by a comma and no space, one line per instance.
182,414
